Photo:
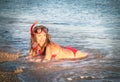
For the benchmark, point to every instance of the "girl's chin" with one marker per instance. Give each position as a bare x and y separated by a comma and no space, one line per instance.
41,44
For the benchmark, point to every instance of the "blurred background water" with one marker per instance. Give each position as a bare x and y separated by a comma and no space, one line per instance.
92,26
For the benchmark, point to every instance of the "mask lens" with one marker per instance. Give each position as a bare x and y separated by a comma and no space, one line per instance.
45,30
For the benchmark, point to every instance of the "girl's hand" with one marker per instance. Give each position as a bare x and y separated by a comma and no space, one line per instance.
34,45
36,22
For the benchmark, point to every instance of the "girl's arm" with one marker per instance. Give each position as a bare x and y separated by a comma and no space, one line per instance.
32,26
48,54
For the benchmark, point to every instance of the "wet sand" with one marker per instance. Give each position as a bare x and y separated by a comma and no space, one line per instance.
8,76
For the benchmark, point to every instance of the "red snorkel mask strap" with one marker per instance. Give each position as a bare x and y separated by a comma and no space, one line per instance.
31,28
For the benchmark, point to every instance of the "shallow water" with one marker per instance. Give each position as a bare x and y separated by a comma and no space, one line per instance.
90,26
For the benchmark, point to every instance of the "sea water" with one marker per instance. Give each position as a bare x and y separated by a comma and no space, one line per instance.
92,26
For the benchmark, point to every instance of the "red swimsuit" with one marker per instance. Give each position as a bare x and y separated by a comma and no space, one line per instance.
72,49
69,48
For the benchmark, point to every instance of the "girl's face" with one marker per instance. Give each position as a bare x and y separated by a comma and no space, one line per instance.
41,38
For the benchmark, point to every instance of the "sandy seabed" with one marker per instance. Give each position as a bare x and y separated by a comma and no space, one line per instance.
8,76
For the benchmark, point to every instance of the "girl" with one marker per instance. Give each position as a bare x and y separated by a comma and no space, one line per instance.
50,49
